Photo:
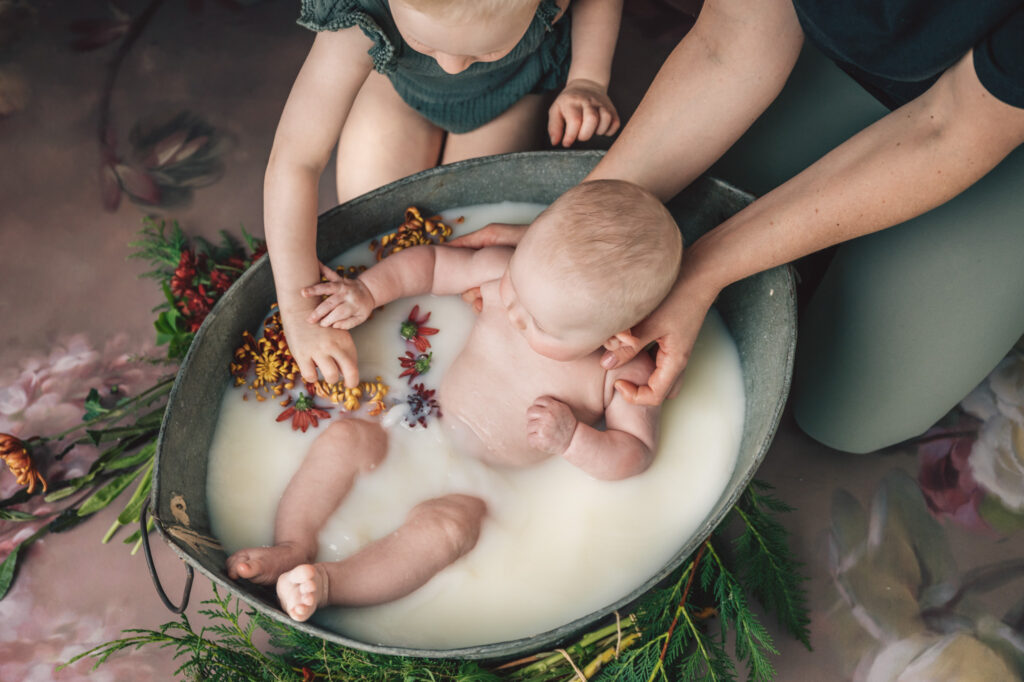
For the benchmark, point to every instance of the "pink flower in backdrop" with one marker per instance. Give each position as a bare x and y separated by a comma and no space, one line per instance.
945,476
37,634
47,395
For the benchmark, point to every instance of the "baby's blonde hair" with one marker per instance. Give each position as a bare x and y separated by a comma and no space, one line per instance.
618,241
471,10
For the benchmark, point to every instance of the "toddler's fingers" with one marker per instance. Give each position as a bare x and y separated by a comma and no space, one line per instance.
590,122
329,368
349,369
572,127
556,124
605,124
307,368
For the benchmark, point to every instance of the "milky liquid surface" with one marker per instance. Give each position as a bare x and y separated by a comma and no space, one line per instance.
556,544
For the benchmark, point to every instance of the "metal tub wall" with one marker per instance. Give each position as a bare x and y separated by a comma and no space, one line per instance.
759,312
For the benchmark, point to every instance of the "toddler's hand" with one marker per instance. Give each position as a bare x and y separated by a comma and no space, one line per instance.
347,305
550,425
582,109
312,346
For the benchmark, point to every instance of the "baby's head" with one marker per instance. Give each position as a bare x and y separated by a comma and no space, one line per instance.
457,33
596,262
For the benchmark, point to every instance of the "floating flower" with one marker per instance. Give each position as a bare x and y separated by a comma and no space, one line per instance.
415,365
422,405
413,331
304,413
415,231
16,456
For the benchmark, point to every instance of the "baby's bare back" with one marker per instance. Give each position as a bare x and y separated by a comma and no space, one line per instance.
487,389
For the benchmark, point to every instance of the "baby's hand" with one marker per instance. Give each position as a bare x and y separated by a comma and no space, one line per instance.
582,109
550,425
347,305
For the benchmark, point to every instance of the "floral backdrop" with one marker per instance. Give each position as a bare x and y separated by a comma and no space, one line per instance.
114,111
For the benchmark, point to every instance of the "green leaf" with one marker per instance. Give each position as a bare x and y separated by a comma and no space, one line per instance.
107,493
15,515
130,513
7,569
93,408
999,517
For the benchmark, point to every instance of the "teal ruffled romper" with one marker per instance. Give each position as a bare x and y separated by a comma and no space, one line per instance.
459,102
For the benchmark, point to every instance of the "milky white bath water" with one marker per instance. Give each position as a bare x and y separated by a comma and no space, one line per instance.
556,544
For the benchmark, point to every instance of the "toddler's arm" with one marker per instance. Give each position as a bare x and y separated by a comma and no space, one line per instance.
417,270
583,108
309,129
625,448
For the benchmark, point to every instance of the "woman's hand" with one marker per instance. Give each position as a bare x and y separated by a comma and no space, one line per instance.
581,110
493,234
674,325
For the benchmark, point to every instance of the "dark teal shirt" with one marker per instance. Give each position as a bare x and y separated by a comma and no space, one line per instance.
459,102
897,49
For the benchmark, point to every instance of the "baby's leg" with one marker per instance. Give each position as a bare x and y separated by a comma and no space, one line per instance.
435,534
522,127
384,139
345,449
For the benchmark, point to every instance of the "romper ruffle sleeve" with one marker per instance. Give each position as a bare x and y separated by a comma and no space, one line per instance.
334,15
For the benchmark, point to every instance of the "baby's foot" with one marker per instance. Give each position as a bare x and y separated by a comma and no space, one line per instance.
302,590
263,565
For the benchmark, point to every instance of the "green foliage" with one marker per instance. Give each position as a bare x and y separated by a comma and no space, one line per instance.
670,636
161,250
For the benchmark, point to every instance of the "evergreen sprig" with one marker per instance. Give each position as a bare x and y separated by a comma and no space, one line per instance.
668,637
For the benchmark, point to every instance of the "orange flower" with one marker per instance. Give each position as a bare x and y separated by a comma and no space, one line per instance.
14,453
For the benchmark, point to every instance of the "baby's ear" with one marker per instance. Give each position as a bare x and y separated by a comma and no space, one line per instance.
621,339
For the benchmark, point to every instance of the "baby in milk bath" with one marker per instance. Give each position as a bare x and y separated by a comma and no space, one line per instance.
528,385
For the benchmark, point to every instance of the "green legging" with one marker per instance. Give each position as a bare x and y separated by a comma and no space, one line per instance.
905,322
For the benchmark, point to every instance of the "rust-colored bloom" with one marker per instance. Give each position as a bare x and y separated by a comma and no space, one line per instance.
15,455
414,365
415,231
183,279
413,331
304,413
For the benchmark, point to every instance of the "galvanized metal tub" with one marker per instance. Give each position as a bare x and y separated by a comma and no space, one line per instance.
760,313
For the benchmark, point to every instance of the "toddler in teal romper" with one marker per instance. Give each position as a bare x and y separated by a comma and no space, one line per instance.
399,86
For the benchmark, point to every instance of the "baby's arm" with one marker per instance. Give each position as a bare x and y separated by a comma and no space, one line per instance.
309,129
584,108
417,270
625,448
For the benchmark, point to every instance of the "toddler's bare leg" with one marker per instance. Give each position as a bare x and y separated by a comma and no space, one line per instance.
384,139
435,533
522,127
345,449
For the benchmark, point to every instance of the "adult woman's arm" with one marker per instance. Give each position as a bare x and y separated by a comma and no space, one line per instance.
910,161
309,129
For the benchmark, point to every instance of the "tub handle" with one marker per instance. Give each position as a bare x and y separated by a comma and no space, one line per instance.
189,572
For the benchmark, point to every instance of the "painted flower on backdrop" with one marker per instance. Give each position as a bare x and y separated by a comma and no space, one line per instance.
903,611
169,159
47,394
973,470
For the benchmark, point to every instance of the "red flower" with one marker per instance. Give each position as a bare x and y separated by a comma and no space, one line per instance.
422,404
414,365
304,413
220,280
412,330
184,275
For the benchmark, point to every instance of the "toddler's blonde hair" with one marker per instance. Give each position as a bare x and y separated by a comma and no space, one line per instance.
471,10
618,243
